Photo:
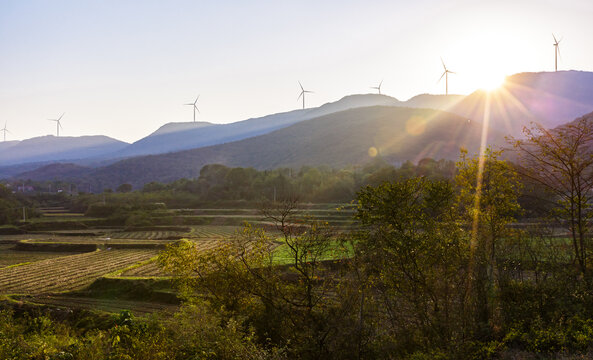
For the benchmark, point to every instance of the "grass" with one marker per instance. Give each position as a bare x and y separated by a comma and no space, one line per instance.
337,250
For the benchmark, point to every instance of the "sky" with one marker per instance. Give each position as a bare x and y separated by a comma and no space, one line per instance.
124,68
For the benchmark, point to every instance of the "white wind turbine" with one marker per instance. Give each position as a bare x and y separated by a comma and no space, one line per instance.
5,130
195,107
378,87
58,124
302,94
556,52
446,75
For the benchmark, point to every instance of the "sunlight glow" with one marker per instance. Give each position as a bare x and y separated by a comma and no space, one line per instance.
492,82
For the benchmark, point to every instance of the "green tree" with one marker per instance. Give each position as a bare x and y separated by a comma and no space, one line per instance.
488,199
124,188
414,253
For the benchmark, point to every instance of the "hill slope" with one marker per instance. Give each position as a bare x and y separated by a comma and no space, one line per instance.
182,136
336,140
51,148
550,98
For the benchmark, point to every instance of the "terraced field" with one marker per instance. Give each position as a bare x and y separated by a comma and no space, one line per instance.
67,272
152,269
149,235
138,308
11,257
213,231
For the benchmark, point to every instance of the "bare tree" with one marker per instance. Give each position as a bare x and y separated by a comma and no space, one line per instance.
561,160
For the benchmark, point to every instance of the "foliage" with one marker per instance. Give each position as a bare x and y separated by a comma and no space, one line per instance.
561,160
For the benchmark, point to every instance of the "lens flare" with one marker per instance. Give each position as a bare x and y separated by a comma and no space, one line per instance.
415,125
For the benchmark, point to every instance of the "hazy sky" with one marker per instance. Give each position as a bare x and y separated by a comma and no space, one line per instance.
123,68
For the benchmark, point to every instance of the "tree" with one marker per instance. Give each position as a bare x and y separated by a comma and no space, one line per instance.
291,304
414,254
562,161
488,200
124,188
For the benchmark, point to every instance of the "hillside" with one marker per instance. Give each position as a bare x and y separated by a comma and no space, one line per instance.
57,171
194,135
52,148
336,140
550,98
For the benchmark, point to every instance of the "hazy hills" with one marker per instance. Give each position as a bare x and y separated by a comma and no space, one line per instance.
339,139
175,136
275,140
52,148
551,99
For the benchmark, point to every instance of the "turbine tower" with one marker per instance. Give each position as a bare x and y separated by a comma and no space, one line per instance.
303,92
5,130
378,87
58,124
446,75
194,106
556,52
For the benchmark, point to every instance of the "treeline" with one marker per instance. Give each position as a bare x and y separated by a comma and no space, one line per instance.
218,184
14,207
310,184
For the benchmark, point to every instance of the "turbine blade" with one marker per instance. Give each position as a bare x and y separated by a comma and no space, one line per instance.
195,102
555,41
451,72
196,108
301,94
301,86
60,118
441,78
381,83
442,62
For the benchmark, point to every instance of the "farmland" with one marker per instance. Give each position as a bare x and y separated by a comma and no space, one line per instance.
66,273
62,259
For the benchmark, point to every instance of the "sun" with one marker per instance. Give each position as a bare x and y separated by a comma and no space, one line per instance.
491,82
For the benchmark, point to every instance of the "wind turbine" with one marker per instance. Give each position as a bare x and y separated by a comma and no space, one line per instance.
446,75
556,52
303,92
194,106
5,130
58,124
378,87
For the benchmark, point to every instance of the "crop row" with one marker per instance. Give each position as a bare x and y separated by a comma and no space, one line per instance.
109,305
67,272
213,232
148,235
152,268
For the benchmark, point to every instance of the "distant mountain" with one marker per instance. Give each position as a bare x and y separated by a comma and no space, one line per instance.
550,98
51,148
57,171
339,139
5,145
189,136
179,126
429,101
